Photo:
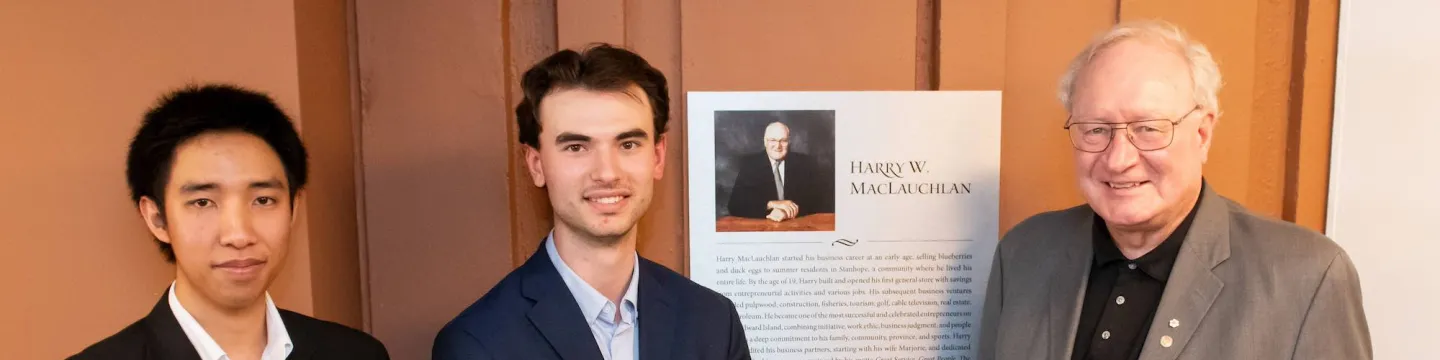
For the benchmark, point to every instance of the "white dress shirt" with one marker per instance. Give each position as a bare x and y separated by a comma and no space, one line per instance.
616,340
277,343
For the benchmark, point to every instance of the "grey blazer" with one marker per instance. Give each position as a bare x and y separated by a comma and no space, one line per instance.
1243,287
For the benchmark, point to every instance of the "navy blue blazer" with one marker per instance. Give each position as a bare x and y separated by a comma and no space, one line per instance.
530,314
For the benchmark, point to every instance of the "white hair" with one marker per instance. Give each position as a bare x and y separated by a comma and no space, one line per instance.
1204,72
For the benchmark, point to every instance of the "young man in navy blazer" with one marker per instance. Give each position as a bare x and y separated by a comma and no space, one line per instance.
592,124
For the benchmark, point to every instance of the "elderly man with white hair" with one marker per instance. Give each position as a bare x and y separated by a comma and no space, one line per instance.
1156,264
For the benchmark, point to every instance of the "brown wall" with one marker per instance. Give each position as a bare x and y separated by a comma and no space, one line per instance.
436,160
75,77
440,156
419,205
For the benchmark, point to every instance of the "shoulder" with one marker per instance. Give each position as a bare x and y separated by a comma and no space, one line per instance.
1037,229
1280,245
801,159
753,159
129,343
502,305
328,337
687,291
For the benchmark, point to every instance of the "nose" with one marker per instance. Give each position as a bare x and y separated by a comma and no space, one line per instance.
607,166
237,228
1122,153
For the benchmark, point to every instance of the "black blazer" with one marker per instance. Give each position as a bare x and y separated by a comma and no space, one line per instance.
531,315
809,185
158,337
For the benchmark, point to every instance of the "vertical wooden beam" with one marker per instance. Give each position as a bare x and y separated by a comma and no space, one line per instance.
1307,191
530,36
1275,67
927,44
322,45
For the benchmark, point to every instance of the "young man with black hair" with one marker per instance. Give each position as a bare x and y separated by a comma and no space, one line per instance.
216,171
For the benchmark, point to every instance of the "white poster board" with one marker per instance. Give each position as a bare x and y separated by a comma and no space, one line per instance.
898,197
1384,198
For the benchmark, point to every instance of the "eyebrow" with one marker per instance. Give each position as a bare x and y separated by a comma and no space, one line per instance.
210,186
267,184
573,137
194,188
632,134
569,137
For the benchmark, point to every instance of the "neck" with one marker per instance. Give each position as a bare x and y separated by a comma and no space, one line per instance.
606,266
240,331
1136,241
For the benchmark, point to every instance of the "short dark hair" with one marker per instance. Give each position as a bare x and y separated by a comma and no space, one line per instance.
195,110
600,67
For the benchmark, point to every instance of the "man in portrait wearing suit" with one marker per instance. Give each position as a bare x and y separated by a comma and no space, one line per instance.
592,123
1157,264
216,172
780,184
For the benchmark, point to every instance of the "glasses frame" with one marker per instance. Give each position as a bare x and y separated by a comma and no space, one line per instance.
1126,126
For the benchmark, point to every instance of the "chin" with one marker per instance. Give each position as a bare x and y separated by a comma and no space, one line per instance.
609,230
236,296
1126,214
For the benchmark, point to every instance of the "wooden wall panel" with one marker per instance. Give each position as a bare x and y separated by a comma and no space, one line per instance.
581,22
972,44
798,45
434,137
1037,172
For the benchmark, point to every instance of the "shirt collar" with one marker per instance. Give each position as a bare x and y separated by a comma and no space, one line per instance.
277,343
592,302
1158,262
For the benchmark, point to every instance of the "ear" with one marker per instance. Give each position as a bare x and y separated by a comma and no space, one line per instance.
660,158
150,211
1207,133
533,163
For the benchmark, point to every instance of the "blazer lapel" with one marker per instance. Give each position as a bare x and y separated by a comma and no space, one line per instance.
298,337
556,314
1192,286
165,332
656,316
1067,290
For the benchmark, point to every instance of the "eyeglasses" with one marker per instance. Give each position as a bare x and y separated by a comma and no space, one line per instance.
1146,135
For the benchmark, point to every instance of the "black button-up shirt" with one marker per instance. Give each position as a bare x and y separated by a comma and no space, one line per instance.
1122,295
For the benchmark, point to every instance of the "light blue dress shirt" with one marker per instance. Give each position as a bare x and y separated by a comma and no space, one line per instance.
616,340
